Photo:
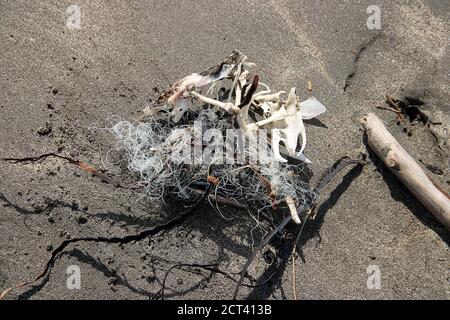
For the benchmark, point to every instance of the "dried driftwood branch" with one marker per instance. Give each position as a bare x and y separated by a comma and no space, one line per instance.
406,169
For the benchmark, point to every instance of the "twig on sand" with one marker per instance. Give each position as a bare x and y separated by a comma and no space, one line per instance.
294,289
396,107
389,109
80,164
406,169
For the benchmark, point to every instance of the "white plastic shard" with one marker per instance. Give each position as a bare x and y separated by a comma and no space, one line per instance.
311,108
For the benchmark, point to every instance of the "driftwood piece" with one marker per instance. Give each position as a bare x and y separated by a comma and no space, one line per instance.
406,169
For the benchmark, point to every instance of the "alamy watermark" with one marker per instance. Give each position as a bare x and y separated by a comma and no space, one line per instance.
196,145
73,21
374,19
374,277
74,277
